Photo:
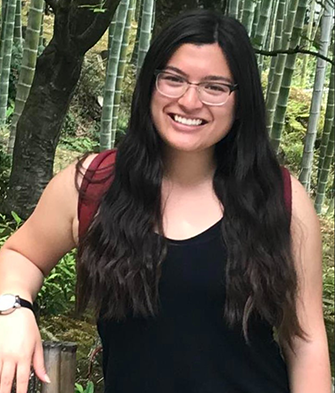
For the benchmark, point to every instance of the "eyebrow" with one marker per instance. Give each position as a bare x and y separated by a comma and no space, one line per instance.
207,77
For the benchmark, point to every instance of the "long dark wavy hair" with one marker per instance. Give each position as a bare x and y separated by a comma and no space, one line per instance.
120,257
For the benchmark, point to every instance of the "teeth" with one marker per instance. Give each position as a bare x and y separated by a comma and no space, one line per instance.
188,122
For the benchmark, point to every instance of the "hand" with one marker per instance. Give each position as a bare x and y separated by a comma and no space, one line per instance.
20,347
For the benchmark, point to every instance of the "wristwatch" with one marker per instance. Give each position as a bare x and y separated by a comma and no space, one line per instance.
10,302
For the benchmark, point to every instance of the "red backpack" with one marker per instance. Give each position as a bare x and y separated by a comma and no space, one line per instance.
93,188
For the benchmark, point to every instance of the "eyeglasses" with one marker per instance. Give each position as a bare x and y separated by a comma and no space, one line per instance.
210,93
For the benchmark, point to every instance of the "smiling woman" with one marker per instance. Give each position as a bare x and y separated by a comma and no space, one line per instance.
201,245
188,121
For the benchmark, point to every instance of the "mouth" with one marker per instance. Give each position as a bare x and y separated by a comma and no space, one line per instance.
187,121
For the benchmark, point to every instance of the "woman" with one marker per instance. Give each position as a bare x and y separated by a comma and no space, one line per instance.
192,258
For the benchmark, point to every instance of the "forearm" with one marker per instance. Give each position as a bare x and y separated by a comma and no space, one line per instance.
309,367
18,275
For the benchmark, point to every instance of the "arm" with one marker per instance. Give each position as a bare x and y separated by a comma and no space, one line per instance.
308,366
25,259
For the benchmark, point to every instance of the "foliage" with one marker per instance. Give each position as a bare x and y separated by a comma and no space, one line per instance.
82,123
8,226
70,125
292,144
82,144
327,228
82,331
296,121
81,126
310,70
89,388
57,296
89,88
328,289
4,173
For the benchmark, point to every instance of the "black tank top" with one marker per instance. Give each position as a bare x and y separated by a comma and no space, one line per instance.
188,347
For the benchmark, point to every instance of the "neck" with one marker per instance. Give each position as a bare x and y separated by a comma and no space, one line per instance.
189,168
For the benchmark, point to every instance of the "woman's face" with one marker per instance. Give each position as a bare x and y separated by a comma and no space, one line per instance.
186,123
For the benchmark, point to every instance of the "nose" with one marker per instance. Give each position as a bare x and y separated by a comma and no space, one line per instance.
190,99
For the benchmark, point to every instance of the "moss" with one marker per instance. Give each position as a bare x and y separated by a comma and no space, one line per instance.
82,332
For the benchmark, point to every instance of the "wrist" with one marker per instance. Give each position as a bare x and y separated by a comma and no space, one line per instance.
10,302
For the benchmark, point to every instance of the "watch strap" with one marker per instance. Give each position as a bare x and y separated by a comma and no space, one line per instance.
24,303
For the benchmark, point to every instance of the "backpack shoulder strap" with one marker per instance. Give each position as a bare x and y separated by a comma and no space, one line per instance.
287,189
96,181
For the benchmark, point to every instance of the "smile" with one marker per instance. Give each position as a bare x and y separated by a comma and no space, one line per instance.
187,121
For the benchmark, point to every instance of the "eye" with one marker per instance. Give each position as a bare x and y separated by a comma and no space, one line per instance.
215,88
171,79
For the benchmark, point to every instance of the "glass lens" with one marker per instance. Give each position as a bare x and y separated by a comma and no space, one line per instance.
174,86
171,85
214,93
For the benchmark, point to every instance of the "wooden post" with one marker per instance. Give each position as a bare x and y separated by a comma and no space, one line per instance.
68,367
60,362
52,352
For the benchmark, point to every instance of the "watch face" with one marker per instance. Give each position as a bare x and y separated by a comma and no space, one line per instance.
7,302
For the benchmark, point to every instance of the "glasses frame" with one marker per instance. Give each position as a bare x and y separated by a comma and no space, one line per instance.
198,85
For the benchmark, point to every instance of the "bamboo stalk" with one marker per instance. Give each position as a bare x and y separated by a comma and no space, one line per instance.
121,68
18,25
6,51
324,174
248,13
145,34
111,75
329,118
272,97
308,154
279,117
27,72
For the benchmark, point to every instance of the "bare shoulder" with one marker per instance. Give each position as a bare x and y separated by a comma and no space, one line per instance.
305,230
302,206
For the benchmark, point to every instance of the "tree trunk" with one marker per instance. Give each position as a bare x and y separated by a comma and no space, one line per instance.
57,72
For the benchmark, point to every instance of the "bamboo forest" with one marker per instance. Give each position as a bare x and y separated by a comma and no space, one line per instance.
67,74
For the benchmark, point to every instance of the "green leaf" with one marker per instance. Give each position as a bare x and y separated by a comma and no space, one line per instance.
17,219
90,387
78,388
